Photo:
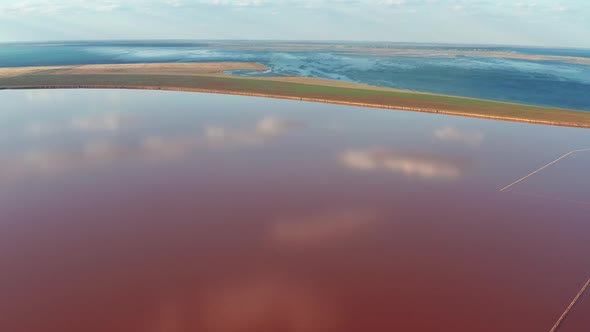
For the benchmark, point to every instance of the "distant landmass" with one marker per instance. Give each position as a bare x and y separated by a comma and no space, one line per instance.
213,78
558,78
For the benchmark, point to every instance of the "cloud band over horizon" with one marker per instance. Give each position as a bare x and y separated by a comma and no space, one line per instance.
541,22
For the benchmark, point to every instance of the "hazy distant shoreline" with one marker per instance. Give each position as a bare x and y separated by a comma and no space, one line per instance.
393,50
506,74
210,78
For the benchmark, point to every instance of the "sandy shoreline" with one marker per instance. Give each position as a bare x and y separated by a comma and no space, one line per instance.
135,68
210,78
217,69
316,100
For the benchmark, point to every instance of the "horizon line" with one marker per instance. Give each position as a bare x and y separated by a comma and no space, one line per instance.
294,41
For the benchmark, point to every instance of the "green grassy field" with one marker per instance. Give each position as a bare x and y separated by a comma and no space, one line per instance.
333,94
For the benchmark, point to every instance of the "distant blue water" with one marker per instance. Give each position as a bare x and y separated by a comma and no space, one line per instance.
546,83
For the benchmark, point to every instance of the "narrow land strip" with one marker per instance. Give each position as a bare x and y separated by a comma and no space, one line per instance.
210,78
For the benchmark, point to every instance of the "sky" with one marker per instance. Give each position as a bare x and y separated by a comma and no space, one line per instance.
539,22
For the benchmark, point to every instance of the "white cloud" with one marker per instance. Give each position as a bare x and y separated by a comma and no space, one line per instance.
239,3
51,7
539,22
54,6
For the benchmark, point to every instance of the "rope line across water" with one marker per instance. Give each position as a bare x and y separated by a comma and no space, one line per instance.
542,168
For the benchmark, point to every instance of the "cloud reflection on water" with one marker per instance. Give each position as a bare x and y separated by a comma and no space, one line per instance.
267,128
91,123
266,304
423,166
321,228
214,137
106,122
452,134
165,148
45,95
60,159
50,162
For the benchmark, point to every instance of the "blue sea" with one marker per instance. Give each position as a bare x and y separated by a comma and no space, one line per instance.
545,83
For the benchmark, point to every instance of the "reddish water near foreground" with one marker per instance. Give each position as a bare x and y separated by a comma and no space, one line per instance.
175,212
